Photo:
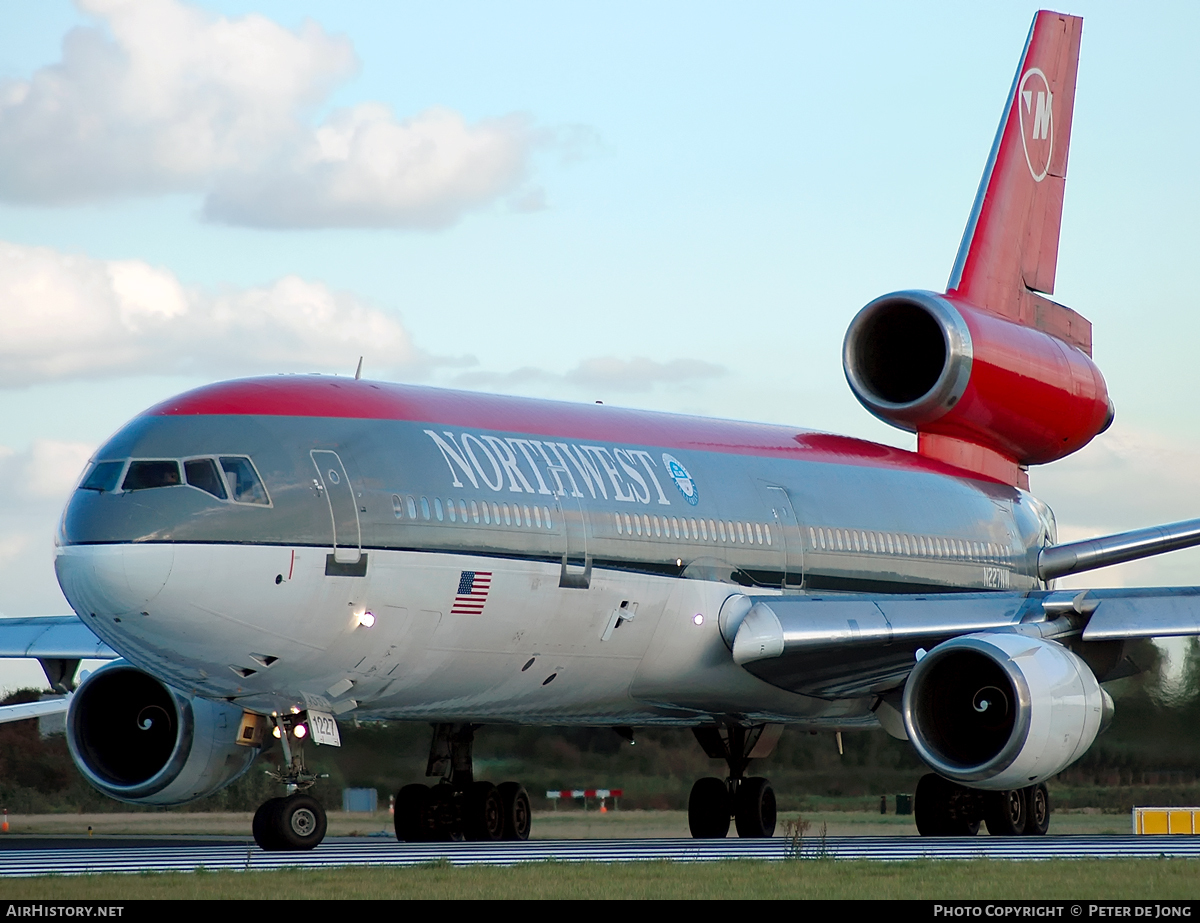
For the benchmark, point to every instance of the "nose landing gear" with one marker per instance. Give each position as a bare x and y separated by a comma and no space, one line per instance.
297,821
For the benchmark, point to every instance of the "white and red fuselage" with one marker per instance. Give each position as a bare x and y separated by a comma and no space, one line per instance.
521,560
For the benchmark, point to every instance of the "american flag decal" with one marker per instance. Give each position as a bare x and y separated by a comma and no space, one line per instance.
473,588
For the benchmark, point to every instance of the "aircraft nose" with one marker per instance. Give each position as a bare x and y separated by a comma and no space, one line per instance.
113,579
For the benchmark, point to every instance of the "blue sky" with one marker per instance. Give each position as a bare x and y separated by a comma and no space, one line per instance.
674,205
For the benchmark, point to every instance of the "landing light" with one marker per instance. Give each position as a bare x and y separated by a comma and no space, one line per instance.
698,619
366,619
275,731
299,731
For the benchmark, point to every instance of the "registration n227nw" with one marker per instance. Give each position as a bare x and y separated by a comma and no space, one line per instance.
261,557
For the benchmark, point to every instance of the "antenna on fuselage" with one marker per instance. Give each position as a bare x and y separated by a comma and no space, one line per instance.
358,371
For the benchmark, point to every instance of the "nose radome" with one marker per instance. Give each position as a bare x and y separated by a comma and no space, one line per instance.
147,568
113,579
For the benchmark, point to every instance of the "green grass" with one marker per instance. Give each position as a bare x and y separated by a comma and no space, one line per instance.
1159,879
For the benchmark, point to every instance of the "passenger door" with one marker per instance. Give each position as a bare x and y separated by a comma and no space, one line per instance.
785,525
576,561
333,481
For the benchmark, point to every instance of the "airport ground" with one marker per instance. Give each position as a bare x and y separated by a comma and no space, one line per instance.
1063,879
565,824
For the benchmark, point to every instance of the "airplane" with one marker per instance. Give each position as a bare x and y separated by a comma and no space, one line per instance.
260,557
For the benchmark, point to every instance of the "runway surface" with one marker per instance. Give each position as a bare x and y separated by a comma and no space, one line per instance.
116,857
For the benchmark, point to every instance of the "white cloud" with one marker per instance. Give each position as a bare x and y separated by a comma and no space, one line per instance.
35,483
67,316
363,168
608,373
163,97
53,468
640,373
1126,479
13,545
158,99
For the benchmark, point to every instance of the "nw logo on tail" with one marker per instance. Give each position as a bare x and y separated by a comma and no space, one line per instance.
1037,121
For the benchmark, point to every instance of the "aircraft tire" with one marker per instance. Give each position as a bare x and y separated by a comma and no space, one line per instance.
299,822
411,808
944,808
930,807
1037,821
444,820
518,816
754,809
484,813
1006,813
264,825
709,809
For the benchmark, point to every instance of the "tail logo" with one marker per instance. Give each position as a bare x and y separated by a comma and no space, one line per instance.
1035,107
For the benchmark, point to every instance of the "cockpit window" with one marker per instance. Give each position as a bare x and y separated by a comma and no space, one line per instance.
226,477
146,474
244,485
103,476
202,473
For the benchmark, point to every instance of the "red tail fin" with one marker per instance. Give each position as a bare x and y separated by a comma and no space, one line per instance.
1010,247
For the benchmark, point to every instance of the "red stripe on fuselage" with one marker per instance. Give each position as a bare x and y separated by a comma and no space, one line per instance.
340,398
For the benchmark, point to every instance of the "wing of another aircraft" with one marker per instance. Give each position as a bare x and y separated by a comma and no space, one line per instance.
842,646
58,642
51,637
41,709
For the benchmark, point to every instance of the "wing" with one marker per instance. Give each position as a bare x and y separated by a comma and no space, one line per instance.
41,709
843,646
58,642
51,637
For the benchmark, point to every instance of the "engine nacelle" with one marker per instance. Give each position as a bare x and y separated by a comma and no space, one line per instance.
1002,711
930,364
141,742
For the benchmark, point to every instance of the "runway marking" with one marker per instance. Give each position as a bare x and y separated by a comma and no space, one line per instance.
340,852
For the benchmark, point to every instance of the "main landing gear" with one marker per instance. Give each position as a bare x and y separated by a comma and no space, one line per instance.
946,808
748,802
458,807
296,821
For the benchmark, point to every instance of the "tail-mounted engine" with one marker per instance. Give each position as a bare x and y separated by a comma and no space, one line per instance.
140,742
962,377
1002,711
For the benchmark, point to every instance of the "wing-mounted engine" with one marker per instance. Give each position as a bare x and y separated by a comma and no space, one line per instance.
1002,711
141,742
982,392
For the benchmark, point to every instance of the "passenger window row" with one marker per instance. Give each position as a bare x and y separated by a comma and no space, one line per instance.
917,546
703,530
226,477
471,511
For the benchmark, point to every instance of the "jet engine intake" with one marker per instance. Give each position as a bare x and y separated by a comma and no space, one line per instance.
929,363
138,741
1002,711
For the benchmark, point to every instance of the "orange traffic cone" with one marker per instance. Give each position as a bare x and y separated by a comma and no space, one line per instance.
4,826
